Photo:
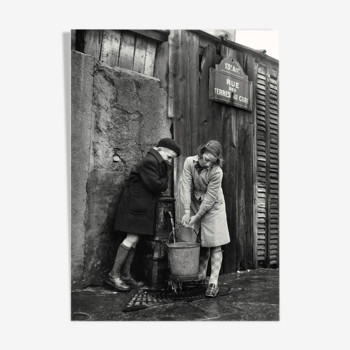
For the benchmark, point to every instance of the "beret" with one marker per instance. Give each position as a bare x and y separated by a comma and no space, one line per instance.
171,144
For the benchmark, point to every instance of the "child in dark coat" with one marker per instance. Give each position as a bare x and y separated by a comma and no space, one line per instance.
136,209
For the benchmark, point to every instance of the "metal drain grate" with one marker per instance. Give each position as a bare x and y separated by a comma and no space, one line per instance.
143,299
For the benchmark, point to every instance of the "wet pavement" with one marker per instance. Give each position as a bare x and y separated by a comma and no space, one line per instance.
254,296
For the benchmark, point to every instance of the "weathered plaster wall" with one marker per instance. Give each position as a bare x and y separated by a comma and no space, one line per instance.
81,121
129,115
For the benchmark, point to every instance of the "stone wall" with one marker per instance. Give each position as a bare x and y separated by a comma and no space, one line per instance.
82,69
128,116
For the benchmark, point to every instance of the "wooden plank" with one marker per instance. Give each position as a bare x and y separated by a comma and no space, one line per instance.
140,55
150,57
205,104
93,43
174,111
156,35
110,47
127,50
180,104
239,191
245,189
161,65
192,41
229,143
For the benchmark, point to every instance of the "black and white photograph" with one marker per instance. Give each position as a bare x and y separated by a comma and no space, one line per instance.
166,185
174,175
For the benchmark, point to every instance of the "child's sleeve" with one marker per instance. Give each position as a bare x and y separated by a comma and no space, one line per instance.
211,194
186,187
149,172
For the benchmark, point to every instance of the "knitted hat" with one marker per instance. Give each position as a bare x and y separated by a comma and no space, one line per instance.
171,144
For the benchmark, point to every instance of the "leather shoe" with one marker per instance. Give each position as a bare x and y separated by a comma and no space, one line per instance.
132,282
212,291
117,283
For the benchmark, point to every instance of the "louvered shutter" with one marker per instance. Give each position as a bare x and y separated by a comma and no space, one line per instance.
267,166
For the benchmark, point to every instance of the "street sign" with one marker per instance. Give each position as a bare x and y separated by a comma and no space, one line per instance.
229,84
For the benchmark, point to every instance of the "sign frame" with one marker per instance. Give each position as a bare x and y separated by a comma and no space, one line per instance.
229,70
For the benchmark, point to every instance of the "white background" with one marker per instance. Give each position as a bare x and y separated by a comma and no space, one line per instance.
314,175
260,40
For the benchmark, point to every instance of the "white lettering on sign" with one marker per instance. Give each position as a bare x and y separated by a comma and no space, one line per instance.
232,83
228,94
222,92
243,99
232,68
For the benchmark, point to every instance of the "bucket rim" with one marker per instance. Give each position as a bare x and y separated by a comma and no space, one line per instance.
181,245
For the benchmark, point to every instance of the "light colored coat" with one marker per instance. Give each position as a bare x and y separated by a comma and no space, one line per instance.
201,193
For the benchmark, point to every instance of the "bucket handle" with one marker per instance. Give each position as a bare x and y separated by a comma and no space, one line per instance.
175,228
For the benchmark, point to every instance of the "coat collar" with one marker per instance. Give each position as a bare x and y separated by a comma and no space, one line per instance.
195,161
156,154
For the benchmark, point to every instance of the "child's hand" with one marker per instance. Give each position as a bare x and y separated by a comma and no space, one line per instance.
193,220
185,219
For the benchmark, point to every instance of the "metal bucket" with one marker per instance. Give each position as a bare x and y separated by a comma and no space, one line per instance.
186,234
183,260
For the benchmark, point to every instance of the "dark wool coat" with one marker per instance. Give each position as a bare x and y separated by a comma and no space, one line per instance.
136,209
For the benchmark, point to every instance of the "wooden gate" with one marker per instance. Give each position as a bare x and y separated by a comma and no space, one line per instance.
250,182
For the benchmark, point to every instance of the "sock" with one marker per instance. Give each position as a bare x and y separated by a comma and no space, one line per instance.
127,264
203,263
119,260
216,260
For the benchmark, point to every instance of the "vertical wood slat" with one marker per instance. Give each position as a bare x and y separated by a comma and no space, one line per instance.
110,47
238,189
93,43
161,65
228,185
140,55
177,97
249,190
150,57
193,88
252,76
205,105
127,50
247,201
